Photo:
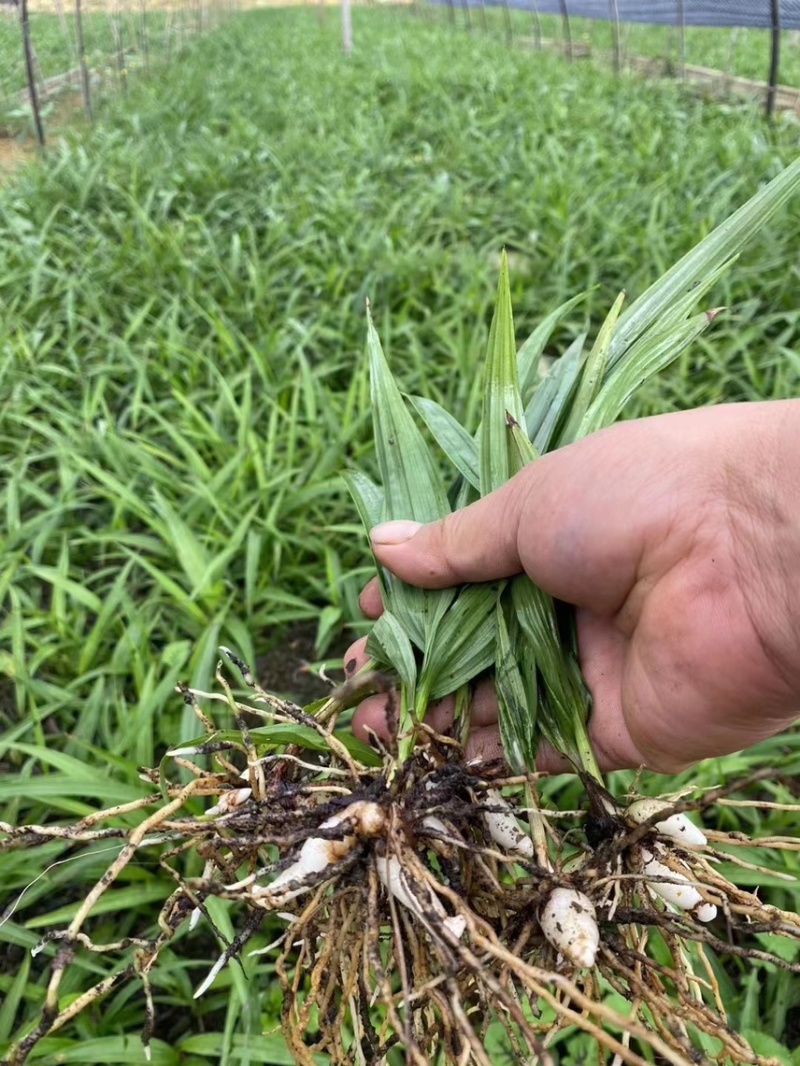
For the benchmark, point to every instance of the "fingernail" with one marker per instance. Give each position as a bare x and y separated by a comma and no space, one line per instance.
394,532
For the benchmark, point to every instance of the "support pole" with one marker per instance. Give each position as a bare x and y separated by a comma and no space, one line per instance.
567,31
682,39
774,62
537,25
614,13
87,102
29,71
347,28
144,44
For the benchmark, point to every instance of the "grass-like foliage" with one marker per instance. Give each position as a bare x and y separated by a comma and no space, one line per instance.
180,346
120,45
424,923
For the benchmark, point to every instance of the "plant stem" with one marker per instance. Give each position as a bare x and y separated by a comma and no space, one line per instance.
537,828
585,753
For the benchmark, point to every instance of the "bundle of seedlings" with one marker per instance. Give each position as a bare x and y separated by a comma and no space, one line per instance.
435,911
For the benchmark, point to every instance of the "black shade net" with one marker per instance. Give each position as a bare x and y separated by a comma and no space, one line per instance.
755,13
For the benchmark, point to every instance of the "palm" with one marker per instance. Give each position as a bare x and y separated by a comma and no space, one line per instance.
686,677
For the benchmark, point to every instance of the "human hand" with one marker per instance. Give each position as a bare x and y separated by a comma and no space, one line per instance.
677,538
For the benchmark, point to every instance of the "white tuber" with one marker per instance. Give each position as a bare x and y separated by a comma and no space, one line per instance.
394,880
318,853
229,800
504,828
569,922
676,826
678,891
705,912
441,842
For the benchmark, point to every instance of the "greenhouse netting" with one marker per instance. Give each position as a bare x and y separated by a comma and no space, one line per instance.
745,13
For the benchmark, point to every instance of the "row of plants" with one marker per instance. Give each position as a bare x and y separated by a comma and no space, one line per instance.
183,385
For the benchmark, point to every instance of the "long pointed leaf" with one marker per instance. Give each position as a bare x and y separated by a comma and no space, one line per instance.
552,397
593,372
531,350
389,643
719,246
515,717
647,357
564,702
368,498
411,483
459,447
412,489
465,642
502,403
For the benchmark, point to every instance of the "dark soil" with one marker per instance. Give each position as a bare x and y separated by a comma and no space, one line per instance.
285,669
791,1034
8,713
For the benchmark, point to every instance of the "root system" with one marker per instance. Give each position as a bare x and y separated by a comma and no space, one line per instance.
407,926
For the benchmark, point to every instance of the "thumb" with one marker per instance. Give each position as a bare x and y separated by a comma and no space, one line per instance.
576,521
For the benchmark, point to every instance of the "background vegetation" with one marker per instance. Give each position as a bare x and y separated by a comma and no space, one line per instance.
739,51
152,31
181,382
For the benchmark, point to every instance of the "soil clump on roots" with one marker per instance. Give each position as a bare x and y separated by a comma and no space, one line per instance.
434,909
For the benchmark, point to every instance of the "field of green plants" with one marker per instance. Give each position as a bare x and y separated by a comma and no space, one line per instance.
151,36
182,383
120,45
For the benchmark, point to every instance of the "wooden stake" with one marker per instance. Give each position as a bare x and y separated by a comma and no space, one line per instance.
682,39
567,31
614,13
774,56
507,20
87,103
29,71
143,42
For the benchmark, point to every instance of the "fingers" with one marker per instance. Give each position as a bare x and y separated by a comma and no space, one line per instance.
371,716
370,599
484,745
355,657
376,716
478,543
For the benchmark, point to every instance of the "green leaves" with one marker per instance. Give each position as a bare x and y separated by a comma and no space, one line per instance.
593,372
515,694
512,630
464,642
502,403
412,489
534,678
650,354
459,447
268,738
388,643
411,484
437,642
726,241
564,699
